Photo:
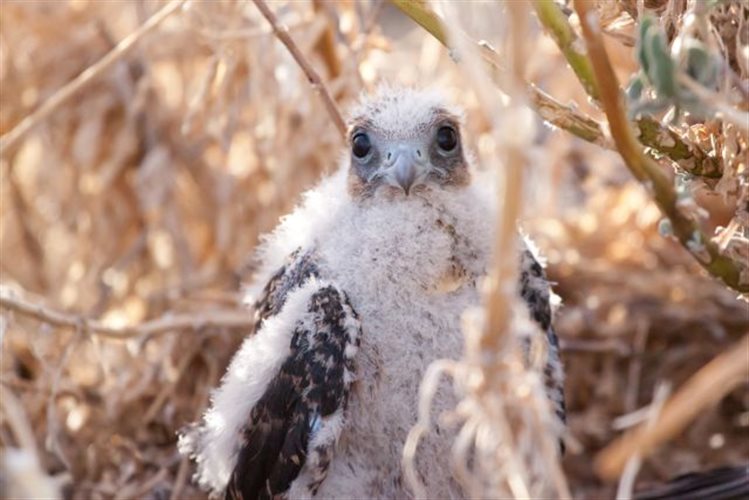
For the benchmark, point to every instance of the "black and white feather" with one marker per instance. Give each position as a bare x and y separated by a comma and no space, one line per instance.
282,402
360,289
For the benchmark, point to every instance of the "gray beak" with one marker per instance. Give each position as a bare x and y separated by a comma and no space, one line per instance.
406,166
405,172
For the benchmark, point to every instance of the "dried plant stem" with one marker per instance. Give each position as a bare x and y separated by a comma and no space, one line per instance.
222,318
427,390
503,272
652,134
566,118
688,157
704,389
11,138
314,79
644,168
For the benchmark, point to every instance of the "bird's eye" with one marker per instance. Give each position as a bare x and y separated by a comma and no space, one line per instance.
361,145
447,138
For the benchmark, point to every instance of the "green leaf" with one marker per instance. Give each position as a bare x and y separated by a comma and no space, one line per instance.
645,25
662,69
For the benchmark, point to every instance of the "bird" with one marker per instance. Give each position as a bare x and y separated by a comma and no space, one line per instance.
357,291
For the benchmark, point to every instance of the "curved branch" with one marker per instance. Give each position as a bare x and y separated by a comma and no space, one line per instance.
216,318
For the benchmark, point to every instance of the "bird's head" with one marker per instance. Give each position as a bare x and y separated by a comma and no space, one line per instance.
403,142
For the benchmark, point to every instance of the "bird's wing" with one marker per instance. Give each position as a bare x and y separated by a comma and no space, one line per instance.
536,292
299,418
279,411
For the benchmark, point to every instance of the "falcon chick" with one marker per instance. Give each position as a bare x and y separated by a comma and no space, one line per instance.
360,289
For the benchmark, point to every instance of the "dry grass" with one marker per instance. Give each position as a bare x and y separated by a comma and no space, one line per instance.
136,202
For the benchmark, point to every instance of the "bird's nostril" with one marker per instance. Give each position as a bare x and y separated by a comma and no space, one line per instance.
418,153
390,155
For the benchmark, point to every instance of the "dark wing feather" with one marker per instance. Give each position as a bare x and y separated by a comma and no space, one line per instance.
725,483
536,292
299,267
309,390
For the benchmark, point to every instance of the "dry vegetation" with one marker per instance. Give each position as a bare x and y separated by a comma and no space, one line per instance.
131,202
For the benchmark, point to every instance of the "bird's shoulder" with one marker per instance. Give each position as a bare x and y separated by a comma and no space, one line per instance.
295,425
301,265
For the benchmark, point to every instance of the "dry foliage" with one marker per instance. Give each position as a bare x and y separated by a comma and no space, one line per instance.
137,201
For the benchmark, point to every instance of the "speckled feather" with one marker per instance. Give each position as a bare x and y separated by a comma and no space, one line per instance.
310,387
299,267
536,292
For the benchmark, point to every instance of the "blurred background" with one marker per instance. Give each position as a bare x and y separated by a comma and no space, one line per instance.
138,201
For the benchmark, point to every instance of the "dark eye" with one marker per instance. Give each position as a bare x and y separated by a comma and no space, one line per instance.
447,139
361,145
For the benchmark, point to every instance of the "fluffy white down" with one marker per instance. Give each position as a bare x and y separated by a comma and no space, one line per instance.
214,443
388,256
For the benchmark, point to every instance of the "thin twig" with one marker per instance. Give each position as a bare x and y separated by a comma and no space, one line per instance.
216,318
8,140
282,33
704,389
644,168
566,118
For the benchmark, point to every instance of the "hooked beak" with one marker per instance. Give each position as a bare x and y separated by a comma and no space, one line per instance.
406,167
